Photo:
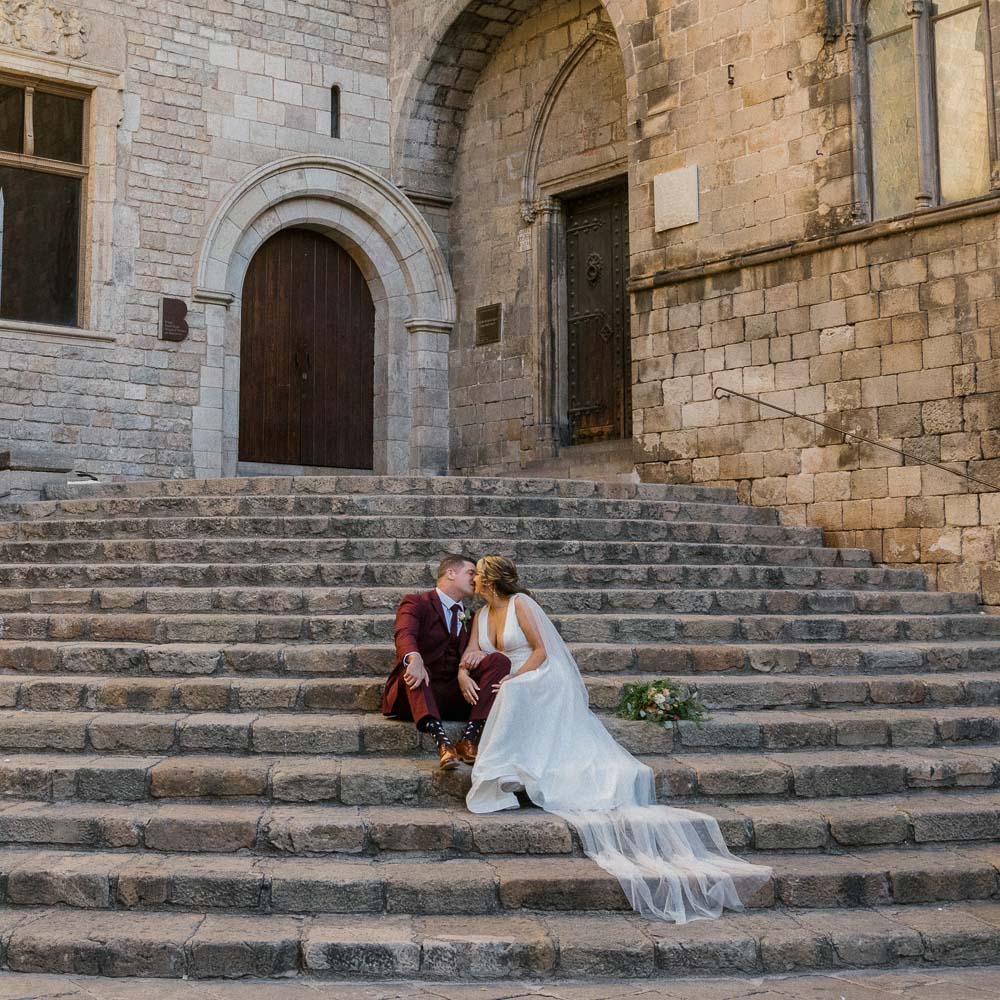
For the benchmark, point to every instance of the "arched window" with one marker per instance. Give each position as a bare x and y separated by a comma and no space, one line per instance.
927,135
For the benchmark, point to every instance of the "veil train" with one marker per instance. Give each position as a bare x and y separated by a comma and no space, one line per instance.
673,864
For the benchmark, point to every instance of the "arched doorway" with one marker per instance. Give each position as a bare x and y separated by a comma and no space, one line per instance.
307,356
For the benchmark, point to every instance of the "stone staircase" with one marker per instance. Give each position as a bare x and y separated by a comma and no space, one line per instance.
196,781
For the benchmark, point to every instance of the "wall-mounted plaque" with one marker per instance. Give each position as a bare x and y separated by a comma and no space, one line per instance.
489,323
173,319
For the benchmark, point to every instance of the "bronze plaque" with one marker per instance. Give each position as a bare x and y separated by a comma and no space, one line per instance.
173,319
489,321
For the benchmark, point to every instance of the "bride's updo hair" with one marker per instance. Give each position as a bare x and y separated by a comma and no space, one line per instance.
501,573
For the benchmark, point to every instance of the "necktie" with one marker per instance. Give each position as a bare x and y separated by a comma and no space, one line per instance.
455,609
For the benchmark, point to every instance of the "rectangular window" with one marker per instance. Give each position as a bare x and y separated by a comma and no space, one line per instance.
42,176
963,129
11,118
40,222
892,90
58,127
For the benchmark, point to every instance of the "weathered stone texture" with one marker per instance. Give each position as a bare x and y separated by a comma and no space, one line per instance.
208,92
496,254
821,334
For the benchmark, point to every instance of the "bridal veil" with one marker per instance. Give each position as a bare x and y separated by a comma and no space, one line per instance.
673,864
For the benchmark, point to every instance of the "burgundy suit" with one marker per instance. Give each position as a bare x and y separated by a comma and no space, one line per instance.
421,627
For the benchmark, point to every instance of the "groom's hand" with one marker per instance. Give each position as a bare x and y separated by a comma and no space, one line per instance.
415,673
468,687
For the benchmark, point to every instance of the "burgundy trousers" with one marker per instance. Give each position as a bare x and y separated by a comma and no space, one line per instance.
443,700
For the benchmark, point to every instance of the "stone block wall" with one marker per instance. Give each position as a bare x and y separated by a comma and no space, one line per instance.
753,95
497,255
190,99
894,335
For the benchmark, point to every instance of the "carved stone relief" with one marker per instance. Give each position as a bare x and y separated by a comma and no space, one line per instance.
43,27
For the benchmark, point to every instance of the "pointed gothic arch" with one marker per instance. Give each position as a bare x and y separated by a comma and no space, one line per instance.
439,79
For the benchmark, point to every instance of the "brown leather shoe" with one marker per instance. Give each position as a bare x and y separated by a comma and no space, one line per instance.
448,758
466,749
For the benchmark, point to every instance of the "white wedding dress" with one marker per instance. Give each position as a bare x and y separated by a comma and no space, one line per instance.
673,864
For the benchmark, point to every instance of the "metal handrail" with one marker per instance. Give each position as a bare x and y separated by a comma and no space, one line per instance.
857,437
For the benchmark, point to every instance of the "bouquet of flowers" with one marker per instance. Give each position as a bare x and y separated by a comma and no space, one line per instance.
662,702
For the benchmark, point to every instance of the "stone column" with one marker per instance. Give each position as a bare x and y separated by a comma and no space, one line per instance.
861,209
545,218
928,195
213,443
429,437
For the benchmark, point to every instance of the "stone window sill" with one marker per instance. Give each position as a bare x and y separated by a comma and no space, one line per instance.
8,326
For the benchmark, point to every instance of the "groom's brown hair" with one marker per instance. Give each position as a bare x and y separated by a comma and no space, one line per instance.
452,562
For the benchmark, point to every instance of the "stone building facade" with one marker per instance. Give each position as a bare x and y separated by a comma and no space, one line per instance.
578,221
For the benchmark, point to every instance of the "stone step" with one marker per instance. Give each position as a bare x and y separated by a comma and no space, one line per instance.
192,659
391,781
824,825
365,600
414,576
72,693
388,504
980,982
499,947
350,733
382,526
437,885
592,628
422,550
393,485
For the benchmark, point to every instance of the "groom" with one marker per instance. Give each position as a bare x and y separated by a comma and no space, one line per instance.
432,631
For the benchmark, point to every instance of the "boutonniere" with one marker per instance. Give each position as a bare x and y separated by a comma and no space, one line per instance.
466,616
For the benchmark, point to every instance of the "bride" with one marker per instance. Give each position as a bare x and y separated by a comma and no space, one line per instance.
541,738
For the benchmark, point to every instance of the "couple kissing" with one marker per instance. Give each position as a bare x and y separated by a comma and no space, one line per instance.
507,673
442,672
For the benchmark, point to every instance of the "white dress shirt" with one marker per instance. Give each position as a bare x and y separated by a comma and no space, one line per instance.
447,604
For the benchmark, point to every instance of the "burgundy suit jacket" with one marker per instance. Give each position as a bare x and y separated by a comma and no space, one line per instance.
421,627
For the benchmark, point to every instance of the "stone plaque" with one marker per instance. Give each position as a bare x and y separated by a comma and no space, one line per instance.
173,319
489,323
675,198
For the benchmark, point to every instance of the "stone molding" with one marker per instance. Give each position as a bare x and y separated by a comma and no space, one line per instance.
19,329
920,219
429,326
529,183
411,290
339,180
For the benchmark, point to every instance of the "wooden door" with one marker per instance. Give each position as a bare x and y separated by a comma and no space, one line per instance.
598,342
307,355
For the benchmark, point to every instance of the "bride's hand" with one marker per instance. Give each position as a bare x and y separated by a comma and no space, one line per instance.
472,658
501,682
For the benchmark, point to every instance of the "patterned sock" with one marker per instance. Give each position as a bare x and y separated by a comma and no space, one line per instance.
473,730
434,727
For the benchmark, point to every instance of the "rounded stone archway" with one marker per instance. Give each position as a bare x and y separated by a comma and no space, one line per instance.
410,285
435,83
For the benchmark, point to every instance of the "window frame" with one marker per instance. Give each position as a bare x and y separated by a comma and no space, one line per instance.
82,171
923,16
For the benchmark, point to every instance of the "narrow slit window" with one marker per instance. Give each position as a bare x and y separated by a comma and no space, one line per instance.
335,112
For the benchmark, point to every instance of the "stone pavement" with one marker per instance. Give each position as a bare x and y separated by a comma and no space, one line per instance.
923,984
